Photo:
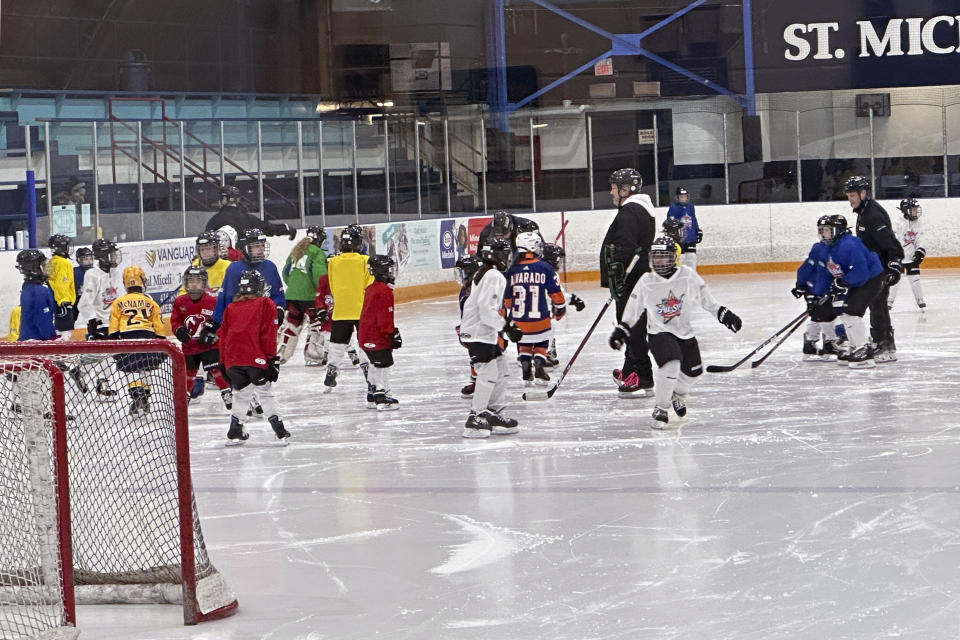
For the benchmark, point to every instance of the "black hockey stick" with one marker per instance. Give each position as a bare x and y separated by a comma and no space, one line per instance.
721,368
757,363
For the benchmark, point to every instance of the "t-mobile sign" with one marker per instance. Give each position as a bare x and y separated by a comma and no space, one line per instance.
826,44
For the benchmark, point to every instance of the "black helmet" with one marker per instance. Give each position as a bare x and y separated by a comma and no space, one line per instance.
496,253
382,268
672,228
351,238
910,208
60,245
194,274
84,253
502,224
663,256
30,263
831,227
553,254
106,253
249,239
208,239
682,191
525,225
468,265
251,283
627,179
230,192
316,234
856,184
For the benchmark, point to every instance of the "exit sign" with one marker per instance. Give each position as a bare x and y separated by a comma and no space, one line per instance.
604,67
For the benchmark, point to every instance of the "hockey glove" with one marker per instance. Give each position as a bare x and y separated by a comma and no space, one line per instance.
208,335
281,314
65,310
838,288
395,340
273,369
291,232
894,270
798,291
729,319
577,302
918,256
321,315
95,331
514,333
699,236
182,334
619,337
616,281
559,312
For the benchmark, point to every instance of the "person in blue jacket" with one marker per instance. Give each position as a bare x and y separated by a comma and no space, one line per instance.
813,284
37,306
684,211
858,277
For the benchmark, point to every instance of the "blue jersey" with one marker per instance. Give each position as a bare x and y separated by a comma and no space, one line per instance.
852,262
36,312
78,273
686,214
813,275
228,289
533,290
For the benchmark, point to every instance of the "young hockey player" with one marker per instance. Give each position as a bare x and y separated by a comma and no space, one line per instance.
684,211
37,305
553,254
909,231
468,266
135,316
13,325
349,277
301,273
483,320
813,284
533,292
668,295
190,312
377,335
101,286
316,355
228,244
208,257
62,284
858,278
248,350
85,262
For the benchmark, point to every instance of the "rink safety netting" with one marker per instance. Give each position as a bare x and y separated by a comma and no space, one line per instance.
127,464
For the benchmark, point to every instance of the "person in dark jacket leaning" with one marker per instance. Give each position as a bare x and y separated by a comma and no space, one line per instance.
233,214
876,233
630,234
505,226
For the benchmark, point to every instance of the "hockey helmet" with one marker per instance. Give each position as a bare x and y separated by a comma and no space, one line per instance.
910,208
60,245
530,242
673,228
468,265
251,283
502,224
496,253
30,263
228,238
663,256
133,276
526,225
382,268
195,281
106,253
682,191
85,257
628,179
317,235
230,192
553,254
351,239
831,227
254,246
856,184
208,248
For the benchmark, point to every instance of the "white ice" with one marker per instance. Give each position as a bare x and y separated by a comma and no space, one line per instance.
797,500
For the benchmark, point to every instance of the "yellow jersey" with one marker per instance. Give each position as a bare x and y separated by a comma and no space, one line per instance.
61,280
349,277
14,325
135,312
215,273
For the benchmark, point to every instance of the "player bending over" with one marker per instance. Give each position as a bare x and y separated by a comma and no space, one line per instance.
813,284
552,255
533,293
668,294
305,266
248,349
190,312
909,231
468,266
483,320
377,334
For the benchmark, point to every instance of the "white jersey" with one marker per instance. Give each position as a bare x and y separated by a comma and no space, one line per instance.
99,291
669,301
482,320
909,233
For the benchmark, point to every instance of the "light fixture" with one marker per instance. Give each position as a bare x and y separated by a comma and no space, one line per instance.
541,125
327,107
383,103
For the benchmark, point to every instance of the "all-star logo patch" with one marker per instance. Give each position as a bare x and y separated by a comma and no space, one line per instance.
670,307
910,238
834,268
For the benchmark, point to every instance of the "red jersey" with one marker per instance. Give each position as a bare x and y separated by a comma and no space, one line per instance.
248,333
376,318
324,300
192,315
234,254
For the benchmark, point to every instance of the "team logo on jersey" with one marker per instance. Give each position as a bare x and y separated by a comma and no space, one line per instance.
670,307
109,295
193,324
910,238
834,268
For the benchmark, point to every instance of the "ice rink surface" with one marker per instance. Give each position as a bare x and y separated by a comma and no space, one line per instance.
797,500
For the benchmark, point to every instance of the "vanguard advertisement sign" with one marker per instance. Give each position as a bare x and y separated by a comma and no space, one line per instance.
825,44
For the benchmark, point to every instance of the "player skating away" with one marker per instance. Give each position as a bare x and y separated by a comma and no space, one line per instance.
228,243
305,266
533,294
813,284
909,230
190,312
668,294
135,316
349,277
468,266
62,283
858,278
208,257
483,320
377,335
552,255
248,350
37,305
85,260
683,211
101,286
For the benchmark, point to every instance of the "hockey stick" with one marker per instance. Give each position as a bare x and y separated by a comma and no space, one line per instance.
720,368
757,363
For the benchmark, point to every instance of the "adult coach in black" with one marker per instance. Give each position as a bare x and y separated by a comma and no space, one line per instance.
234,214
876,233
630,234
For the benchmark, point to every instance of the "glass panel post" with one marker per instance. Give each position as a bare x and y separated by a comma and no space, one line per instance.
353,164
593,204
260,170
416,153
183,182
96,179
656,162
946,170
323,203
223,152
46,171
386,162
726,165
873,156
446,162
799,164
533,168
300,194
140,175
483,151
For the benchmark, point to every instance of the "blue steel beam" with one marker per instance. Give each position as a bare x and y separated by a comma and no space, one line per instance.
748,57
536,94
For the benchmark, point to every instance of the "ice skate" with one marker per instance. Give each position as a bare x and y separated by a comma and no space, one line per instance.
281,432
541,377
467,390
365,368
659,419
371,397
313,363
227,396
197,389
921,304
330,381
500,424
527,367
679,403
886,352
829,350
862,358
617,376
78,378
386,402
103,389
354,356
633,387
236,434
476,427
810,350
255,410
139,400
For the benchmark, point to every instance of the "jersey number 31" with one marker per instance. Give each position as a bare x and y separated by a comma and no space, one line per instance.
524,307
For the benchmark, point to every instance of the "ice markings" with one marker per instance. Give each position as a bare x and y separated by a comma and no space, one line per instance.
489,544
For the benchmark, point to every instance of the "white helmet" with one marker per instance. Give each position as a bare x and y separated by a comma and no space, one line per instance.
228,238
531,242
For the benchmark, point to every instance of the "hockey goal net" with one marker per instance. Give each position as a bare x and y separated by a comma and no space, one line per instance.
97,504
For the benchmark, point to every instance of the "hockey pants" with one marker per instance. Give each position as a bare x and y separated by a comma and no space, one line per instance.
491,389
668,380
249,385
